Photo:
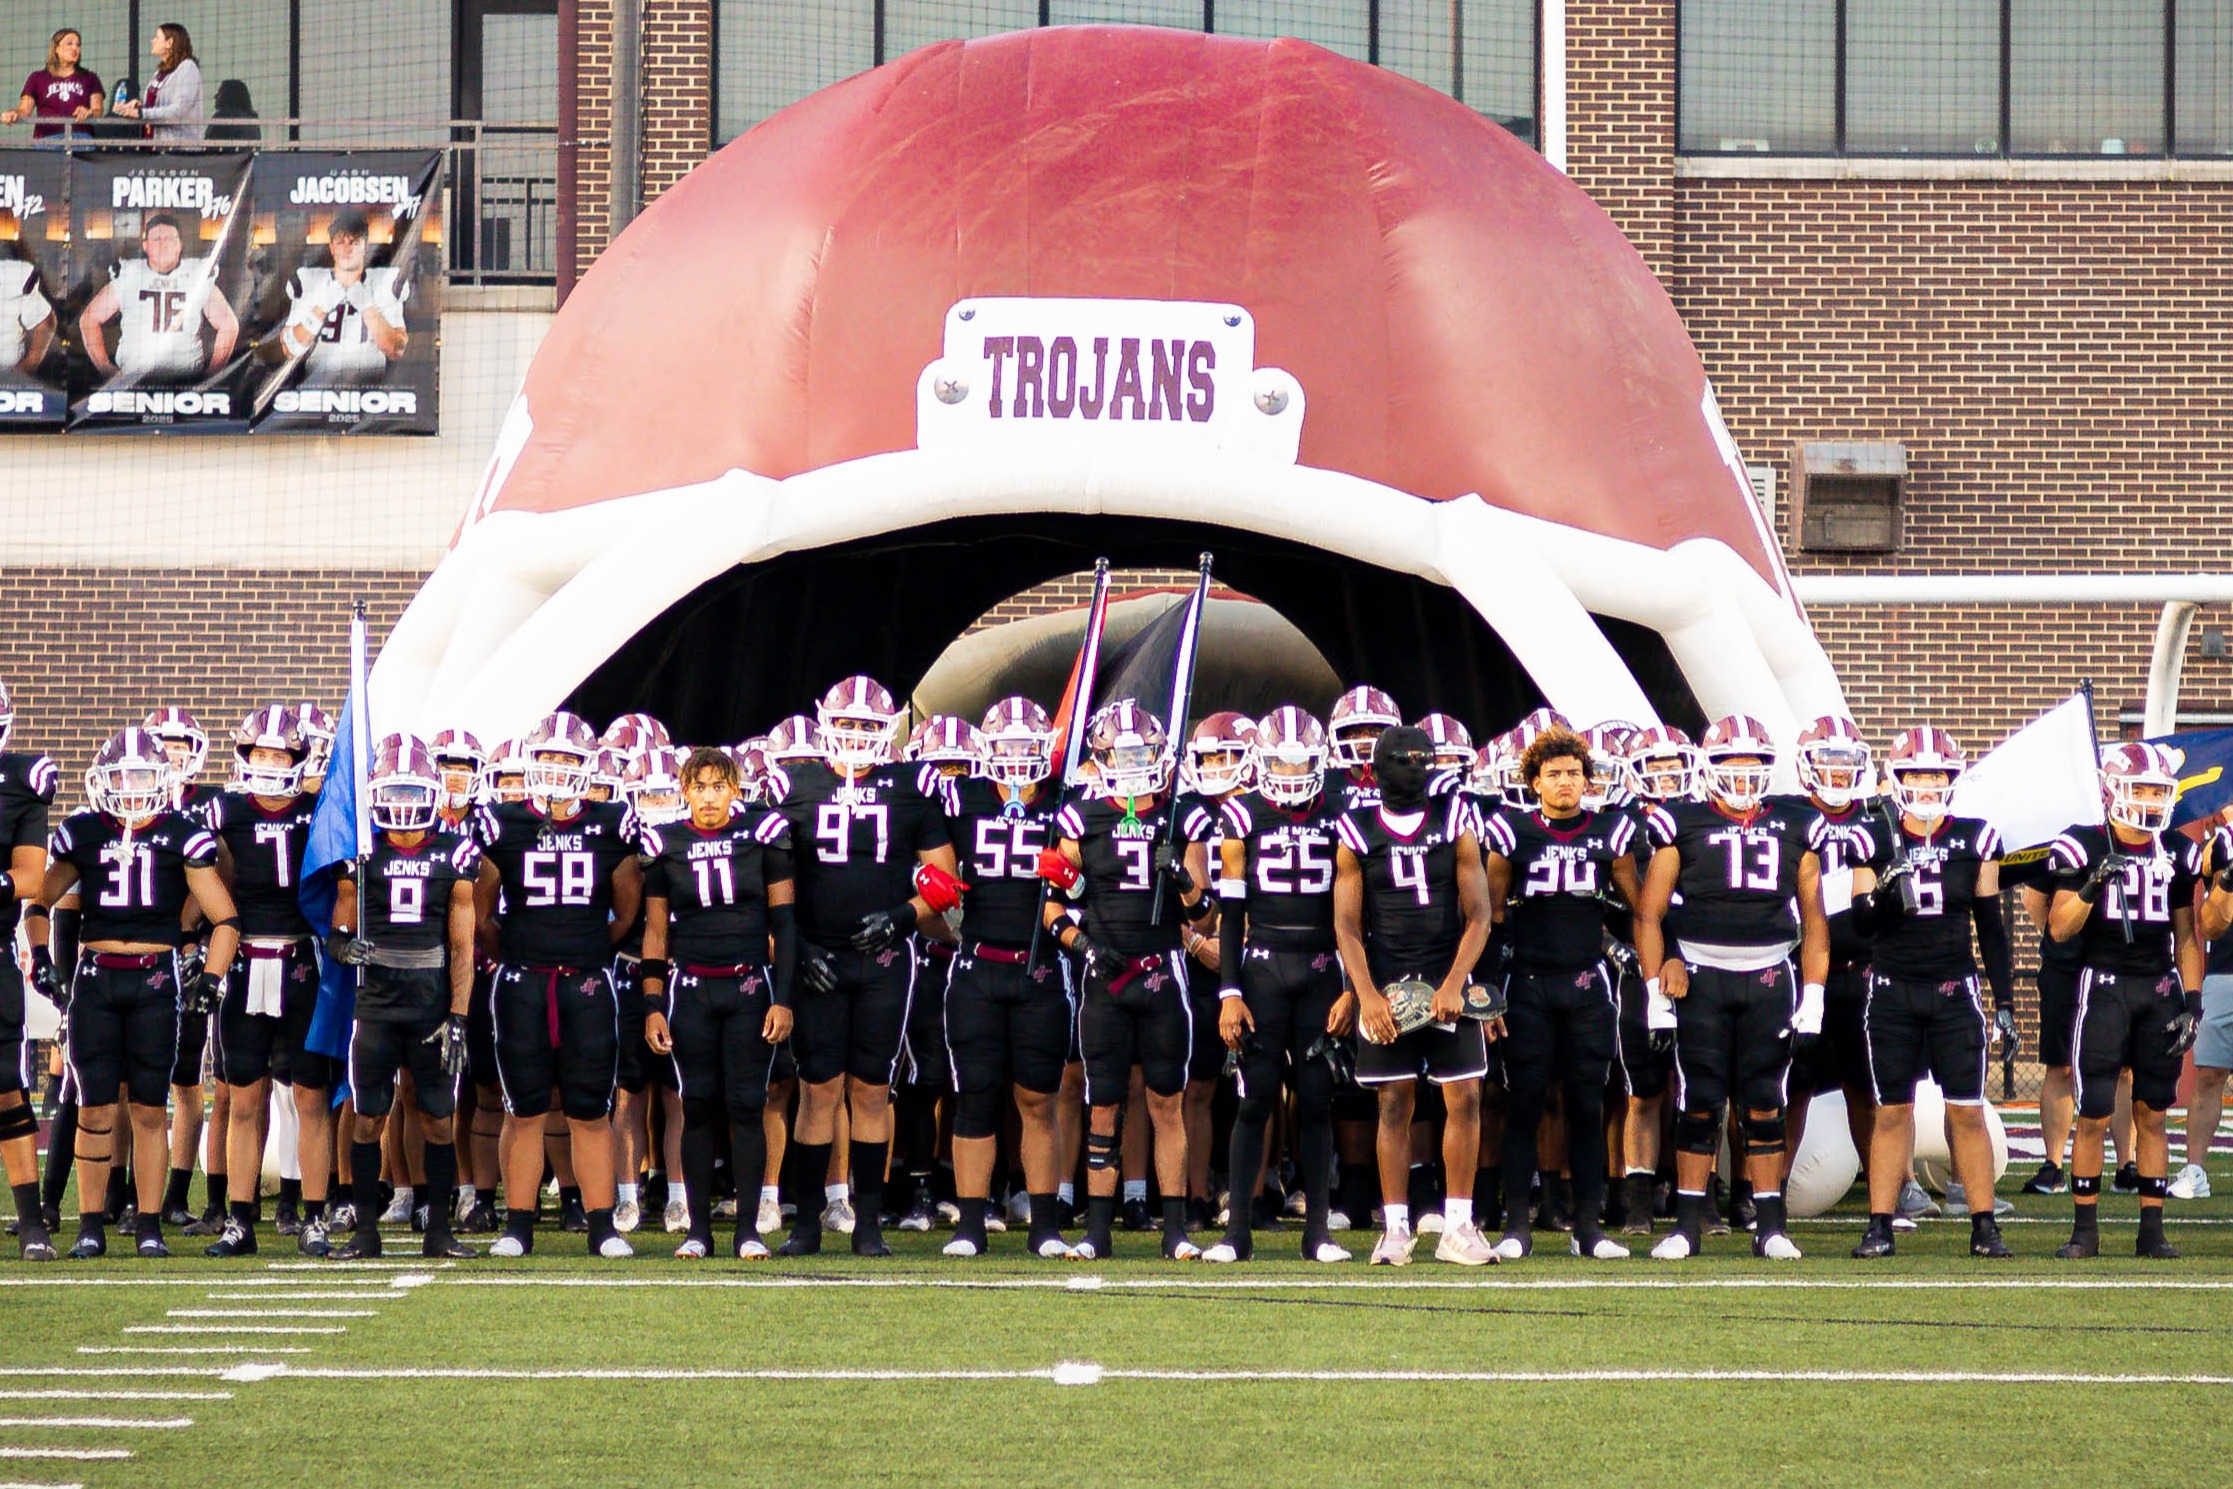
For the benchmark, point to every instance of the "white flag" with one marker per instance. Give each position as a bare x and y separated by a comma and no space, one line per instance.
2040,780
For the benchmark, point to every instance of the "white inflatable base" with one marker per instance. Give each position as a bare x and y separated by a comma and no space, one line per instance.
1827,1163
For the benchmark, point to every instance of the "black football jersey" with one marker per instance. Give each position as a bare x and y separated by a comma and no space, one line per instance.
1739,883
197,801
997,842
1413,916
854,843
1118,849
1354,790
2158,879
132,887
1620,918
558,879
1201,820
404,902
1931,943
267,849
1289,856
1855,838
716,885
26,797
1561,877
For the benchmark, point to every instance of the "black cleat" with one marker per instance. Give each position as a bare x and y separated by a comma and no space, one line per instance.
573,1218
178,1217
236,1240
1716,1223
91,1246
1874,1243
1637,1220
35,1246
441,1245
310,1239
2049,1180
482,1219
362,1246
801,1243
2127,1179
1133,1216
210,1223
421,1216
152,1249
1985,1240
286,1220
2151,1246
868,1240
2080,1248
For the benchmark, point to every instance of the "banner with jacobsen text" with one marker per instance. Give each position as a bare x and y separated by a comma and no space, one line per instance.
220,292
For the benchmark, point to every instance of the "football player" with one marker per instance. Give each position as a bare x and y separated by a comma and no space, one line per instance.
1550,872
1008,1015
461,760
163,298
26,319
318,733
410,925
1411,908
1352,726
2124,892
187,748
1219,765
717,888
346,321
1133,1006
953,748
1938,876
27,783
1281,1003
263,1019
652,787
1659,765
863,826
143,860
1749,870
566,871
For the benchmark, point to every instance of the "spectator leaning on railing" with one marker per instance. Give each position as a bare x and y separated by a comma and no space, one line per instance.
172,107
61,93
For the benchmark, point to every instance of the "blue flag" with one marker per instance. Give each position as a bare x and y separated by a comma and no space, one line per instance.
333,842
2206,779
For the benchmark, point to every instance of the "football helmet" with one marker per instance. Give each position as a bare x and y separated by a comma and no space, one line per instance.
1924,751
1019,742
1355,721
1835,765
131,777
1608,763
1733,738
507,762
859,724
1130,750
633,733
948,742
7,715
1290,757
406,785
185,745
796,738
608,773
756,772
274,727
1453,743
460,758
317,735
653,787
573,743
1481,774
1217,753
1541,719
2140,783
1662,764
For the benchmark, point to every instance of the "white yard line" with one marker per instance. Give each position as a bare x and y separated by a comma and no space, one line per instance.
27,1484
162,1424
1501,1279
79,1455
271,1313
236,1329
15,1395
194,1349
383,1296
339,1269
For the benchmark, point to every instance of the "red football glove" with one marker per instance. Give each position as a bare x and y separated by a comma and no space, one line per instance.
939,889
1056,869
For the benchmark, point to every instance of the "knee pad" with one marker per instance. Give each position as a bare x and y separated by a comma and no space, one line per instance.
1697,1132
701,1111
977,1114
1101,1149
1763,1135
17,1121
1254,1110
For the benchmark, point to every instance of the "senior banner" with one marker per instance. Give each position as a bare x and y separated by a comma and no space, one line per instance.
34,267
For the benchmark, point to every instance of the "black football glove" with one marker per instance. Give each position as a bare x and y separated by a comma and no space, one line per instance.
192,958
449,1035
1340,1054
48,979
2185,1024
881,930
2004,1032
1623,957
816,968
1096,959
1171,864
354,950
1888,895
2111,866
199,990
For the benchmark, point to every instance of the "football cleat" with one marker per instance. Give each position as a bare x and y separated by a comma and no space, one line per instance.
2126,1180
1776,1247
1464,1245
152,1249
996,1224
573,1216
1326,1252
920,1215
961,1246
1180,1249
483,1219
1874,1243
1902,1224
752,1249
2151,1246
507,1247
1133,1215
949,1213
91,1246
725,1208
1915,1202
771,1215
1514,1246
2193,1182
441,1246
1430,1221
34,1246
1986,1241
420,1216
1674,1247
178,1217
1393,1249
870,1243
1603,1249
692,1249
676,1220
286,1219
1018,1207
801,1243
615,1248
398,1211
311,1239
1337,1220
361,1247
837,1216
1050,1248
1223,1253
2079,1248
1090,1249
2049,1180
627,1215
339,1217
237,1240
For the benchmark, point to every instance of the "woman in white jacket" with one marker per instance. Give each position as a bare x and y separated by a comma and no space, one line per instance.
172,107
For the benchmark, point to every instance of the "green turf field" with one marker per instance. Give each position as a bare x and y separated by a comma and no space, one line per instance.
1925,1368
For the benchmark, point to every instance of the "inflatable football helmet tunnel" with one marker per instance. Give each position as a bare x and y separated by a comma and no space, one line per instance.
963,323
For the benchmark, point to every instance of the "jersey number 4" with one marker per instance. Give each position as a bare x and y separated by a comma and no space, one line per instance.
1754,863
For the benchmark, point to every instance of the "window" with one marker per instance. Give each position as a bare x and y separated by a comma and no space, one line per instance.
909,24
1922,76
390,61
769,54
1758,75
1346,29
1482,54
2086,78
2205,77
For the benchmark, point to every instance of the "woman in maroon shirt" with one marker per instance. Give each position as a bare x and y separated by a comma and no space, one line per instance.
60,91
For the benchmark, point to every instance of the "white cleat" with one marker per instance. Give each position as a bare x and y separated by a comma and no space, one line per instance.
676,1219
1019,1208
1393,1249
996,1224
1430,1224
1902,1224
464,1210
1673,1247
1328,1253
1054,1249
398,1211
506,1247
1337,1220
949,1213
1603,1249
771,1216
692,1250
1510,1248
1915,1202
1183,1250
615,1248
725,1208
2193,1182
627,1215
1464,1245
837,1217
1084,1251
961,1246
753,1250
1221,1254
1777,1247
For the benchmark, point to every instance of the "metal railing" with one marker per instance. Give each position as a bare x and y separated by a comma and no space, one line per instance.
499,180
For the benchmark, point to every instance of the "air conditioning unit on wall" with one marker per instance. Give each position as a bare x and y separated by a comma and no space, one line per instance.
1846,495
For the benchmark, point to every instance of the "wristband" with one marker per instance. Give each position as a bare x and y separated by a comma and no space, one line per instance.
1225,993
653,967
1232,889
1812,990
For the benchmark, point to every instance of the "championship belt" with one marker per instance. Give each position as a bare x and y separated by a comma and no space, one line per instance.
1410,1003
1484,1002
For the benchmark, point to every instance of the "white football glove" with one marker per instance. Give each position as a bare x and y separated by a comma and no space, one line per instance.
1659,1009
1807,1021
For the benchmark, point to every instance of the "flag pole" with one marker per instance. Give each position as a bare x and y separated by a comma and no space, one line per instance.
360,756
1073,737
1182,698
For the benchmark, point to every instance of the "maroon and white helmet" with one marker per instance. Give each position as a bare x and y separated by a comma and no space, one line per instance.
795,738
2140,783
1217,753
1484,776
1453,742
507,761
7,714
859,724
185,745
1130,750
653,786
608,773
757,772
1662,764
1290,757
459,757
405,784
1356,721
1608,763
633,733
1923,752
317,733
1729,740
1019,742
1511,755
1835,765
131,777
1540,720
561,752
946,739
272,727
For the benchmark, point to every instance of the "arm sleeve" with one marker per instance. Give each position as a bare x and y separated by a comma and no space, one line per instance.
783,922
1231,921
1992,946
